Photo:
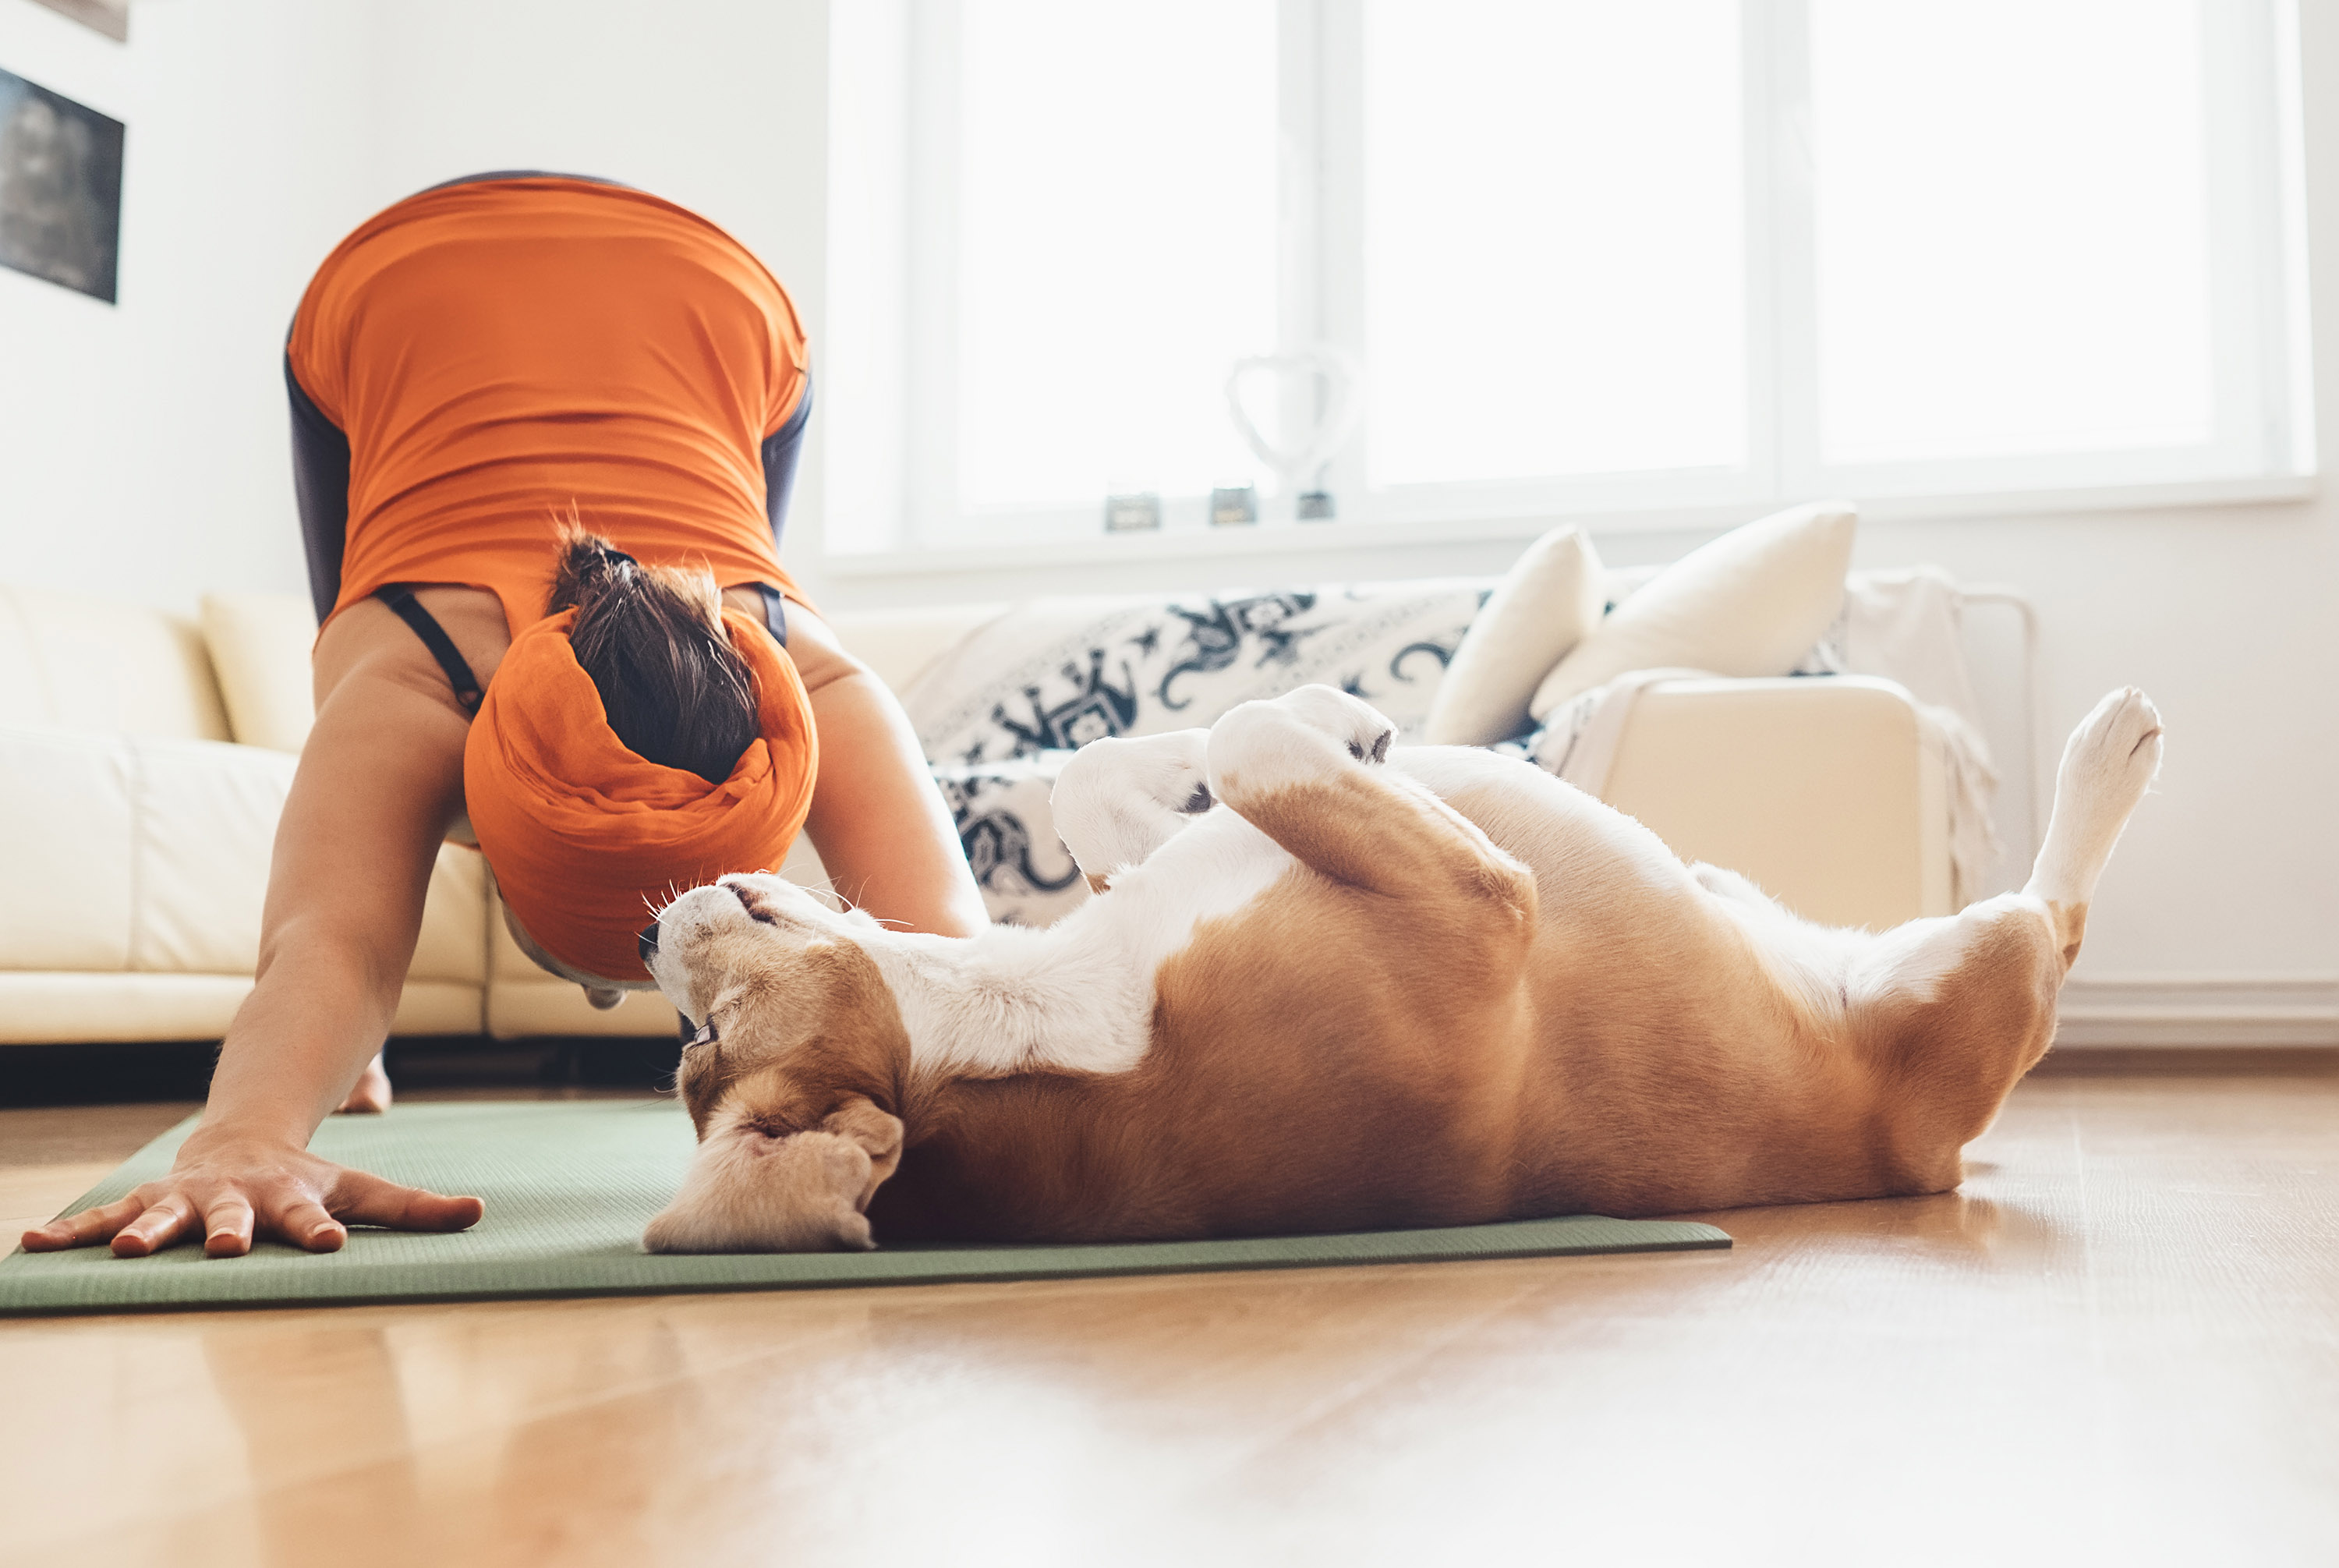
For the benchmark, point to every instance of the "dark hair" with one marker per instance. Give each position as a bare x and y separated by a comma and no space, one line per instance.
675,691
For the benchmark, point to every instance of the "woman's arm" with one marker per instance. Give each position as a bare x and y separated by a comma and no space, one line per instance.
379,782
877,820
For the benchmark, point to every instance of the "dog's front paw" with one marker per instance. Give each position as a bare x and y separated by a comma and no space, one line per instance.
1301,735
1351,721
1118,801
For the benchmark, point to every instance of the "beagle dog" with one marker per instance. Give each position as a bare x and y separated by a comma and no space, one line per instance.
1328,986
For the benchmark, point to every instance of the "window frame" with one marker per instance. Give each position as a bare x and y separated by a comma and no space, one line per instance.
898,58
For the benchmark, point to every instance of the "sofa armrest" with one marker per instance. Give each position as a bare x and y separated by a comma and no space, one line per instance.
1831,795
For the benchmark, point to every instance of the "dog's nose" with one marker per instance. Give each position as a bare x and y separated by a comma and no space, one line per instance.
647,941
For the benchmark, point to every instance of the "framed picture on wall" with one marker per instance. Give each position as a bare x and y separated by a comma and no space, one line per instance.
111,17
60,188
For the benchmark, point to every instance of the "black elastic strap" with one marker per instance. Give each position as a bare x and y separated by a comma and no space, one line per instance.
467,691
775,613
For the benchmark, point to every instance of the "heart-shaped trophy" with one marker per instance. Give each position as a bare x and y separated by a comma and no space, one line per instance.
1320,377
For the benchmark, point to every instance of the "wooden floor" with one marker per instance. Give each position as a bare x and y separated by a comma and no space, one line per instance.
2120,1344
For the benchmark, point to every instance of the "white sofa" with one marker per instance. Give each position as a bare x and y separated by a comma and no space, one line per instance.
144,758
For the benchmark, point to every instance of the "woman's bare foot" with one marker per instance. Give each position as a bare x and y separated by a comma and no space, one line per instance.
371,1092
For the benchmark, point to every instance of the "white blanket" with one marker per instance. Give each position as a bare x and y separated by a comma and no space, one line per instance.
998,713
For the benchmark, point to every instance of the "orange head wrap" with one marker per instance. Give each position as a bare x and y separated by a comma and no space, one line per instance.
588,839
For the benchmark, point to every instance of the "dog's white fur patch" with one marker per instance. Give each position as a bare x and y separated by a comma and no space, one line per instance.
1078,996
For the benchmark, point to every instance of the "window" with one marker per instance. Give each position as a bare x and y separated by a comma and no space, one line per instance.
1589,258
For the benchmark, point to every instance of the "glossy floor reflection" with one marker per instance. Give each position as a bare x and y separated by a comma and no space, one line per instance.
2119,1343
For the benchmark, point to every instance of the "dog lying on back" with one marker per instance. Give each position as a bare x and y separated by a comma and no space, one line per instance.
1326,987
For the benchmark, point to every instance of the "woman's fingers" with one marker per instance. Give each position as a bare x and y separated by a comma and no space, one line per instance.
368,1199
229,1214
170,1216
305,1222
227,1227
90,1226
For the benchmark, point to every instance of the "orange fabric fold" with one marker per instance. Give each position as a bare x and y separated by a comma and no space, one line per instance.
587,839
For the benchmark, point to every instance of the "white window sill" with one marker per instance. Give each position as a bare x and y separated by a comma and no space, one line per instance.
1286,537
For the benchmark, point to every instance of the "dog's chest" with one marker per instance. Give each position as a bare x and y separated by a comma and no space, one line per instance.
1080,995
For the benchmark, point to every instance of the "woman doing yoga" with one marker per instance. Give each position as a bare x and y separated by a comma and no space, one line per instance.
544,430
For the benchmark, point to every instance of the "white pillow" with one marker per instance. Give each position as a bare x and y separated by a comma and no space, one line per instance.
1750,603
1549,598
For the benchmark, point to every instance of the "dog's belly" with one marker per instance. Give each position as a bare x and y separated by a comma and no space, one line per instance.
1315,1061
1676,1029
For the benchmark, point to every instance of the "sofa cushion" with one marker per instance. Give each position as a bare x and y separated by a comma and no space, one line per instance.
1548,602
260,647
103,665
151,854
899,645
66,887
1748,604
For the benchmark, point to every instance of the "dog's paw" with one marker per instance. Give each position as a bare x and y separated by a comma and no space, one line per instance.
2109,761
2115,753
1301,735
1351,721
1118,801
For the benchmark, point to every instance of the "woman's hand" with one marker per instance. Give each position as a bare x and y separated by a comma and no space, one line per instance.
229,1189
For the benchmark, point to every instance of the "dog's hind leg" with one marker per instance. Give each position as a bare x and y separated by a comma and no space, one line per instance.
2108,763
1953,1011
1304,769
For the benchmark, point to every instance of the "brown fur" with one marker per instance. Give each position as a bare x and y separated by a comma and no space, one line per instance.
1436,1016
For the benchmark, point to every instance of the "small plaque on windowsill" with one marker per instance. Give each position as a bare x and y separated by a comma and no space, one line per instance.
1234,506
1132,514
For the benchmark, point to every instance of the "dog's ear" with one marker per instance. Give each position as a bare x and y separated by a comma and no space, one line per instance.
751,1190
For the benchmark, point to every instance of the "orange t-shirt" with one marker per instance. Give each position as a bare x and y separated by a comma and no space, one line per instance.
499,351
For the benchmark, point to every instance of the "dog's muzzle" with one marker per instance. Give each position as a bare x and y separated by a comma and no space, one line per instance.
648,943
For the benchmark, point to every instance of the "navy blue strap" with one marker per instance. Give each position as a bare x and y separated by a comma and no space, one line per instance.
467,691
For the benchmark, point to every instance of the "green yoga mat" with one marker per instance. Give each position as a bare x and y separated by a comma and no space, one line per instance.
569,1185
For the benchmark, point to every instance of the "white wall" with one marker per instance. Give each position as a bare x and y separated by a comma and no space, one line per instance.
143,447
142,444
